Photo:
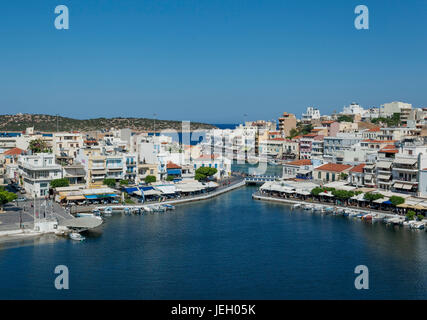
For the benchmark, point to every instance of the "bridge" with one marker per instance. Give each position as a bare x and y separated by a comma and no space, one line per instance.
259,179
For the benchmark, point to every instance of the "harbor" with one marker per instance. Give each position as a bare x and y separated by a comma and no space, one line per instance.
212,247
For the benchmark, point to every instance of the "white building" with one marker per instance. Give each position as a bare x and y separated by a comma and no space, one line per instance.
36,172
311,114
353,109
388,109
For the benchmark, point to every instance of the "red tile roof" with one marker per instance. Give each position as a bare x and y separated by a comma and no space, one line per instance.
336,167
172,165
389,149
302,162
14,152
358,168
375,129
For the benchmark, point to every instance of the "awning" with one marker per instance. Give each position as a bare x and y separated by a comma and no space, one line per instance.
174,171
303,192
384,164
166,189
368,176
326,194
381,200
384,177
74,198
212,184
131,190
406,186
397,185
407,161
152,192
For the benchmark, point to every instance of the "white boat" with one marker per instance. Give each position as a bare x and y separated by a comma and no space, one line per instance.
296,205
168,206
148,209
108,211
76,236
419,225
308,207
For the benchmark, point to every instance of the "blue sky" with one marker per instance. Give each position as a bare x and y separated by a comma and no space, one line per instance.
209,60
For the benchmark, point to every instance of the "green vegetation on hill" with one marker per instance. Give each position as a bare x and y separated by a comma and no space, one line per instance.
48,123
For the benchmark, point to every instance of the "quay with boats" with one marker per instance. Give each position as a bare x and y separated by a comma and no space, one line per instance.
364,214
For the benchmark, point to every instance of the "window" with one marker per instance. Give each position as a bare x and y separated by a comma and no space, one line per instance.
319,175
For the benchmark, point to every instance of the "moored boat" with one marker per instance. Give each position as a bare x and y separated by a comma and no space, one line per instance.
76,236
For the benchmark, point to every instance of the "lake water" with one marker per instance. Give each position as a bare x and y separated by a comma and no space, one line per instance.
229,247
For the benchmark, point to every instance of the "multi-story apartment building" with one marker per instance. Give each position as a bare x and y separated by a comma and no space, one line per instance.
130,167
291,149
36,172
75,173
334,147
370,175
317,147
287,122
96,171
405,174
305,145
114,166
65,145
272,149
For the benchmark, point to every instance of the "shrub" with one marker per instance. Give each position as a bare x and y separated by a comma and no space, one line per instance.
59,183
150,179
110,182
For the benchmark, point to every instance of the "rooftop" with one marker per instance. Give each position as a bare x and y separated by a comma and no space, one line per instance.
336,167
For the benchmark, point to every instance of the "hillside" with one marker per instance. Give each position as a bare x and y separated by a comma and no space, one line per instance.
48,123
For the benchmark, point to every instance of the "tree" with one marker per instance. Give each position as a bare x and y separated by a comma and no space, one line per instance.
342,194
38,146
203,173
5,197
345,118
372,196
110,182
59,183
124,182
410,215
395,200
150,179
293,133
420,217
170,178
343,176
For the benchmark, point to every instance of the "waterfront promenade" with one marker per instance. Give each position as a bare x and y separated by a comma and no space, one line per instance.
259,196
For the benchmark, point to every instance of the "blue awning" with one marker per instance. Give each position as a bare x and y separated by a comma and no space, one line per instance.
174,171
131,190
387,202
146,188
94,196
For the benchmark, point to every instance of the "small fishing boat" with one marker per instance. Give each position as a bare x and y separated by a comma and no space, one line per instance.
76,236
308,207
296,205
418,225
108,211
127,211
148,209
168,206
367,217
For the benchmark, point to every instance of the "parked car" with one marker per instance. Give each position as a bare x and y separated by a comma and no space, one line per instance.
114,201
20,199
